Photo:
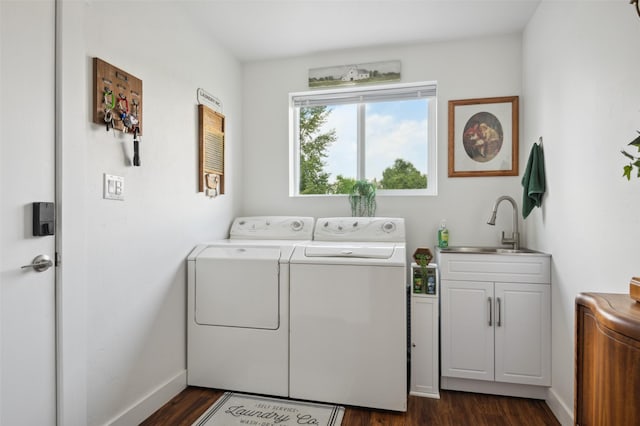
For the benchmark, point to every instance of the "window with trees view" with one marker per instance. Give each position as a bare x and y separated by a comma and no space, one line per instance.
384,135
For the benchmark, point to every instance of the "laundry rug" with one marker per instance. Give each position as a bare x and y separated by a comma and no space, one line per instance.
240,409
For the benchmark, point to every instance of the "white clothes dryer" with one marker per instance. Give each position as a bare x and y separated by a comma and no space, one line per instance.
238,306
348,314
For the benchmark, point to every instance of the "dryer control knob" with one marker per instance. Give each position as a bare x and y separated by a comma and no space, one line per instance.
389,227
296,225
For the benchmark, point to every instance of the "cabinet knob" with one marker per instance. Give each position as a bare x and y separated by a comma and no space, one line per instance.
413,345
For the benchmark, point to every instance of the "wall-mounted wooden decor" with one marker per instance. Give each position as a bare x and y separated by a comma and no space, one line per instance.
117,98
211,143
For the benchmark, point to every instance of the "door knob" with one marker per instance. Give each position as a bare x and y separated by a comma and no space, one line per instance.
40,263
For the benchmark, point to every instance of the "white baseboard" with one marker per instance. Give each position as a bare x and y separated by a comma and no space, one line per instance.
152,402
425,394
559,409
495,388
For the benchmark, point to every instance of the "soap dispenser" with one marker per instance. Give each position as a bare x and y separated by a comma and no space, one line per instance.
443,235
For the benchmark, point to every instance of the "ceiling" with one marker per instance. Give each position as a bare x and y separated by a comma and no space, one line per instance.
255,30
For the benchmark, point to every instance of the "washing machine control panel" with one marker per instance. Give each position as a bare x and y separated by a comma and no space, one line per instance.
380,229
272,228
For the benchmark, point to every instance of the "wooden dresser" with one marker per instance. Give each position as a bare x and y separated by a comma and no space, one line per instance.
607,370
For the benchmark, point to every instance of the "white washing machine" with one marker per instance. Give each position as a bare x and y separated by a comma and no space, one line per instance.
238,306
348,314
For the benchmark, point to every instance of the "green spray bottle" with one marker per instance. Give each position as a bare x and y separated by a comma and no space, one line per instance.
443,235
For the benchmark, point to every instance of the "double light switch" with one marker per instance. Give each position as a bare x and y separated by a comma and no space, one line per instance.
113,187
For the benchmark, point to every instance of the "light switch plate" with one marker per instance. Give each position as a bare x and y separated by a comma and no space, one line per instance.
113,187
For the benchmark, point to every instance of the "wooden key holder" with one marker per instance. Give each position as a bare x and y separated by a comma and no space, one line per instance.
115,91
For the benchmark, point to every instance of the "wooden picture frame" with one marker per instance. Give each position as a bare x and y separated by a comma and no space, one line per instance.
483,137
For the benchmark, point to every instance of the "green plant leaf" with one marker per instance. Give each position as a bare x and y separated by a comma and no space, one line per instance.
626,154
635,159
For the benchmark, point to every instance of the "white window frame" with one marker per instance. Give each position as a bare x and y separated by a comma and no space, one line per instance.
391,91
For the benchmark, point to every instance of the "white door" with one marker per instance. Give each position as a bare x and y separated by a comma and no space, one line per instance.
467,329
27,174
523,333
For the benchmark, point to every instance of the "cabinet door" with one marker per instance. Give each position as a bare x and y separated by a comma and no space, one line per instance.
523,333
424,346
467,329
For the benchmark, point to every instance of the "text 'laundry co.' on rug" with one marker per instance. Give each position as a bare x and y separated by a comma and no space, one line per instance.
239,409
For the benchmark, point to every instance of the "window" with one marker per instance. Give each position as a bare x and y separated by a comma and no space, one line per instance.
382,134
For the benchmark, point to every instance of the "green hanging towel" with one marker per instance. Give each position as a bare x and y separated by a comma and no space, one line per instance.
533,181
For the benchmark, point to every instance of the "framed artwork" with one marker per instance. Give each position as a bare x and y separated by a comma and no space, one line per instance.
483,137
354,74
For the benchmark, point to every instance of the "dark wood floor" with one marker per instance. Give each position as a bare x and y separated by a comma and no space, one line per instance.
452,409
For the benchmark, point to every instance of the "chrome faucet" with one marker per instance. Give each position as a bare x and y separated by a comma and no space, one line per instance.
515,236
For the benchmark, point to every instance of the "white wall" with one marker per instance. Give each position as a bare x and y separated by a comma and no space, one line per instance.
581,94
463,69
124,276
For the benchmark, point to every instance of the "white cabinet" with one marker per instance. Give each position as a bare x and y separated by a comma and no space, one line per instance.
496,331
424,380
424,346
495,320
